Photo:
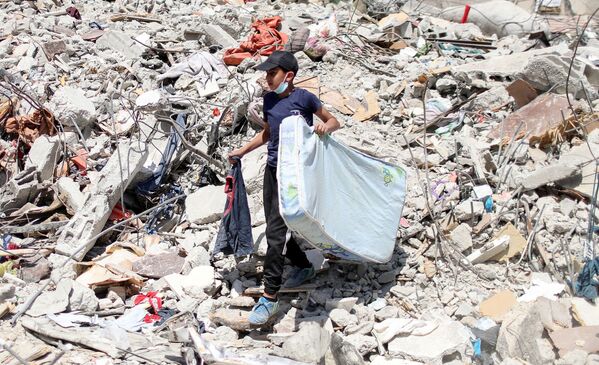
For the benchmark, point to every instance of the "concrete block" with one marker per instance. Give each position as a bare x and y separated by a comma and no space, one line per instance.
43,156
462,237
76,236
70,106
20,189
519,331
218,36
549,174
206,205
70,194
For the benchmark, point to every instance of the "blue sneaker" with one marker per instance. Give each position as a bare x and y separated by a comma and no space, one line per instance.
263,311
299,277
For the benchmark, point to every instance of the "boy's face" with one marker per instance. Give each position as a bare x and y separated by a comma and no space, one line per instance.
276,76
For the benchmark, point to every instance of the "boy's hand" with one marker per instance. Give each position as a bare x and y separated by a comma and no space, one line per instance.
235,153
322,129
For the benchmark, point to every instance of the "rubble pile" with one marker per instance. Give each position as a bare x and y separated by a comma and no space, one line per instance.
116,118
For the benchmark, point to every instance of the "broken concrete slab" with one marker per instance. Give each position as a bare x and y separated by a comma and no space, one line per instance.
584,338
218,36
549,174
519,331
206,205
500,67
87,336
51,302
76,236
71,107
450,338
550,72
119,42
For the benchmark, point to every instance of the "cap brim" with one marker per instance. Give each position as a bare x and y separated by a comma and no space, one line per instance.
266,66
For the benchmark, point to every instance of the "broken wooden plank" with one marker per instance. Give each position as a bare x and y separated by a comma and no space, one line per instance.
257,291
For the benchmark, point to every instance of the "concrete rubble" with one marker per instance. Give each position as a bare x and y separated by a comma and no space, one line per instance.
116,119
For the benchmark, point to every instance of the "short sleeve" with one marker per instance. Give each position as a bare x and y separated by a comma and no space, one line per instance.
312,102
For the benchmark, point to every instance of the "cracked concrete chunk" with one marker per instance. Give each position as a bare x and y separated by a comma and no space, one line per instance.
450,338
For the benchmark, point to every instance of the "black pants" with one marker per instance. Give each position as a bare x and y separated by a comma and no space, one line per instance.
280,242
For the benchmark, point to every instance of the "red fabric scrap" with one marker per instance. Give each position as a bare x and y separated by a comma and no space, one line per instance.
152,298
118,213
265,40
151,318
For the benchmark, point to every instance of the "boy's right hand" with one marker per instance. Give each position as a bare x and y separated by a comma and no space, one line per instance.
235,153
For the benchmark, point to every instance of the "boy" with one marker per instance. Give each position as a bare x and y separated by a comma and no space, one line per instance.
283,101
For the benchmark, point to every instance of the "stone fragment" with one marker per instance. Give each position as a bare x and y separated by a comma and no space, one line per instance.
70,194
343,303
518,334
54,48
82,298
77,236
152,100
218,36
364,344
344,352
232,318
198,256
490,99
387,312
342,318
449,339
43,155
309,344
574,357
52,302
242,302
468,209
160,265
462,237
71,107
489,250
21,189
550,71
205,205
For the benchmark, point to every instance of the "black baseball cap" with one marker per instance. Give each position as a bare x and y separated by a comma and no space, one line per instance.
283,59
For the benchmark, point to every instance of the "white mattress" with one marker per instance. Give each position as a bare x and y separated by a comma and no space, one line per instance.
340,200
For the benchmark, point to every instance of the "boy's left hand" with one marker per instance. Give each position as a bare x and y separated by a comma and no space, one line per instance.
322,129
